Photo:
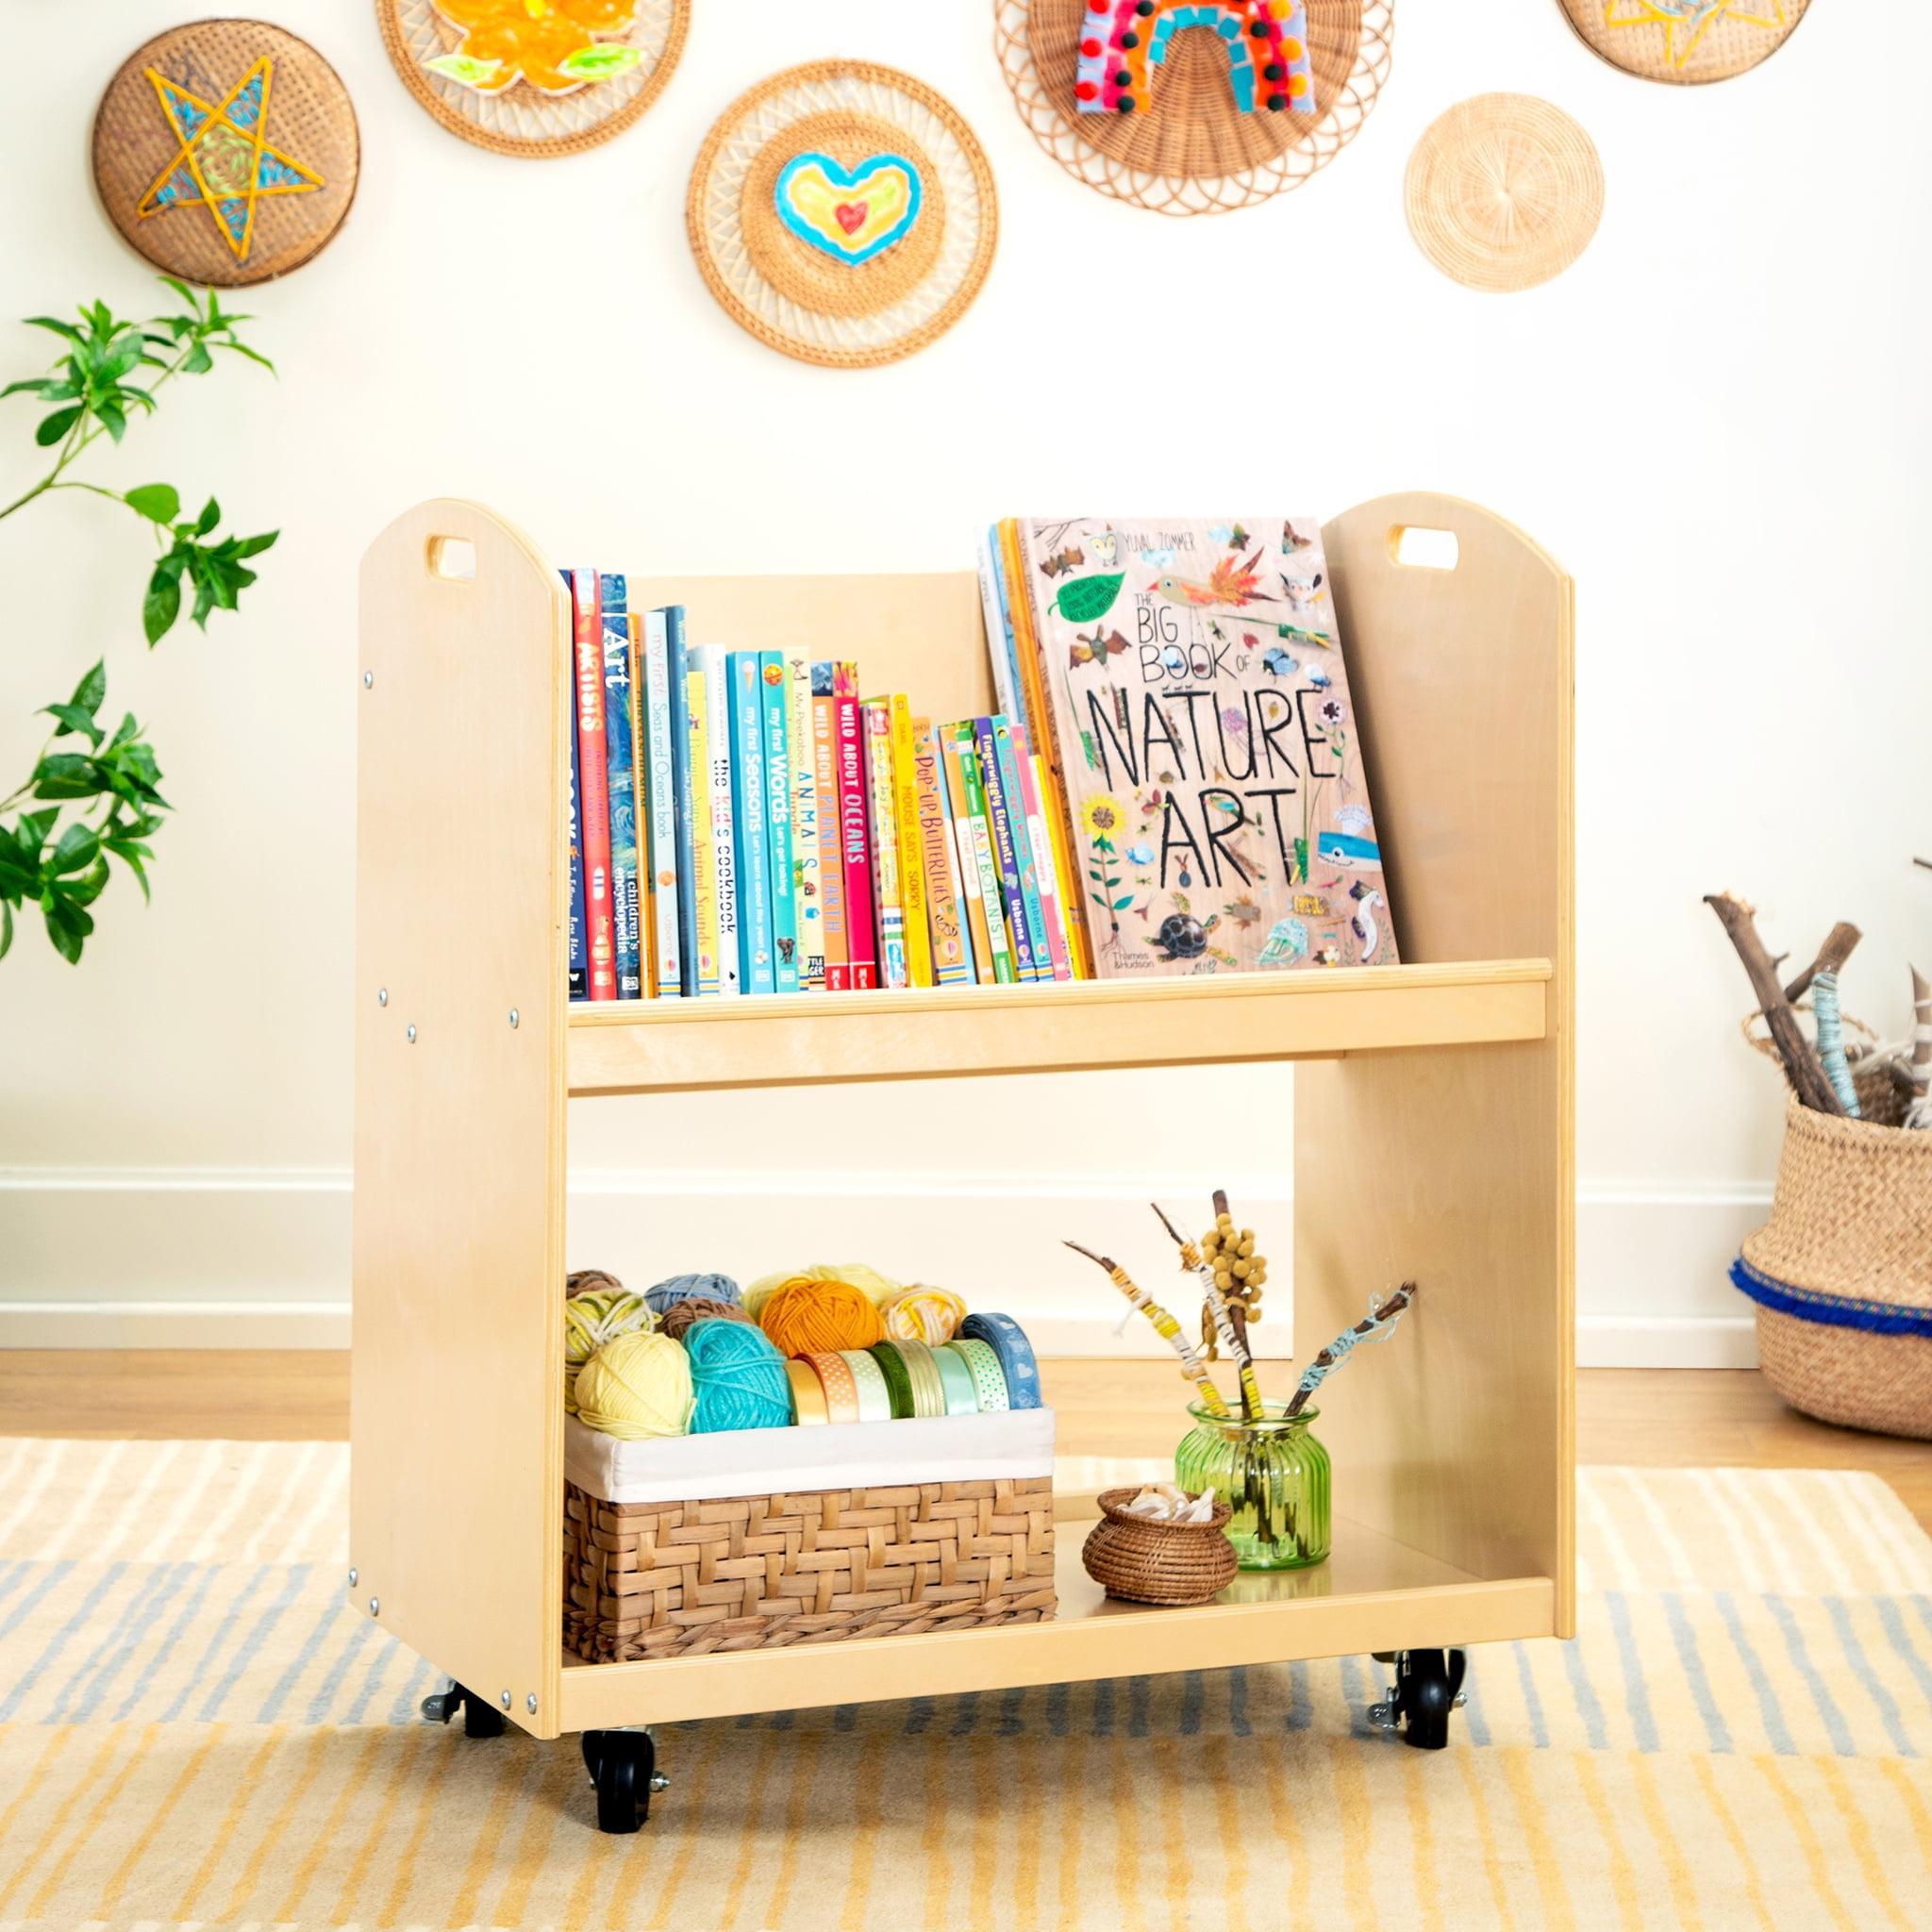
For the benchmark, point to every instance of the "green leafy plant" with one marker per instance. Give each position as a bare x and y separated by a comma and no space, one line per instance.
78,808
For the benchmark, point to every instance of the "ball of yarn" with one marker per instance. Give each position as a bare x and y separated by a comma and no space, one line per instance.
589,1320
924,1314
879,1287
637,1386
758,1293
737,1378
585,1280
681,1288
815,1315
679,1316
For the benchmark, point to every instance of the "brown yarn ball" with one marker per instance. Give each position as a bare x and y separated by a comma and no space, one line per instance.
587,1280
698,1308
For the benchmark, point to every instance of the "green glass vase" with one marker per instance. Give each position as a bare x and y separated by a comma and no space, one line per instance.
1273,1473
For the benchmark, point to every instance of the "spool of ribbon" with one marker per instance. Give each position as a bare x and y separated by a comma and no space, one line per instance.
984,1366
874,1398
807,1394
1018,1364
956,1382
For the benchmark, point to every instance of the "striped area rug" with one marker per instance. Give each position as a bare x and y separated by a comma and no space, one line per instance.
193,1730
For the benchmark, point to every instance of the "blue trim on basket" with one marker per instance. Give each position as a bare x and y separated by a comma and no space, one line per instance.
1829,1311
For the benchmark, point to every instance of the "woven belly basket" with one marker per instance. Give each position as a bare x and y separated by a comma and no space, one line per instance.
1841,1273
656,1577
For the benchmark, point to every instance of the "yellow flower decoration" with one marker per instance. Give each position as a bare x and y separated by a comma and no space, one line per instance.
1104,816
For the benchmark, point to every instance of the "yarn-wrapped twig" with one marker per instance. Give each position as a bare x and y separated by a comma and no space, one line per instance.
1379,1326
1226,1333
1165,1325
1919,1113
1831,1039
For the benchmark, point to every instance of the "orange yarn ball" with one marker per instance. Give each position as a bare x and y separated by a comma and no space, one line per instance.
809,1315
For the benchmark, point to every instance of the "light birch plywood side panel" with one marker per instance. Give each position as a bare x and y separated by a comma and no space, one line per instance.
456,1488
922,634
1455,1166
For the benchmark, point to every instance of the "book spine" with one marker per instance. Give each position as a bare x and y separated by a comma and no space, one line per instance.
621,781
985,863
594,766
999,629
775,700
640,796
1046,863
725,893
696,831
824,757
579,955
888,894
960,865
855,842
805,826
1005,856
950,963
661,796
1026,856
913,896
750,824
687,779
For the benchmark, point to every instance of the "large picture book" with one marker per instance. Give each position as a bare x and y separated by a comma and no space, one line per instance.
1195,683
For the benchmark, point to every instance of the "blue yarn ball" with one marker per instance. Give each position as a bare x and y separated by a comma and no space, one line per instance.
737,1378
683,1288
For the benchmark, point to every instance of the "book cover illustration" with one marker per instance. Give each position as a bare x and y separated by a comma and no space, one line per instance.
594,782
626,905
1198,689
804,824
825,763
888,904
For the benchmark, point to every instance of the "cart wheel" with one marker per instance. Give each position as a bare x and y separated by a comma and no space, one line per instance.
481,1718
1427,1687
622,1766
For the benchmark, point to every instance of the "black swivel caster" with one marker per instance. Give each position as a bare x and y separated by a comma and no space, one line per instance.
481,1718
622,1766
1427,1687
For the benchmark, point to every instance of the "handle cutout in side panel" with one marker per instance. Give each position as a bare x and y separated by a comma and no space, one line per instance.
453,558
1416,547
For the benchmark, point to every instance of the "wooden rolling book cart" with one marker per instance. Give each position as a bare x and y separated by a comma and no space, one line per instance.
1432,1121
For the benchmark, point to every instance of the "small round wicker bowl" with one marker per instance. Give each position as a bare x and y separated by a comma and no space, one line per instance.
1147,1562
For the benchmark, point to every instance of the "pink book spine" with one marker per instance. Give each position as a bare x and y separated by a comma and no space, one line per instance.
861,942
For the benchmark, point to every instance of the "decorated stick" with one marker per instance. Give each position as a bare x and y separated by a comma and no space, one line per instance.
1919,1113
1165,1324
1801,1064
1831,1040
1379,1325
1226,1332
1839,945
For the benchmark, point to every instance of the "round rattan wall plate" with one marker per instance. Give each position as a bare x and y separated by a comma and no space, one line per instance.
1504,191
842,213
226,152
1685,41
1212,126
535,78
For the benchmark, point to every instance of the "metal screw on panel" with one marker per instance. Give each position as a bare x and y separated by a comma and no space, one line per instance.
352,1579
410,1033
382,995
514,1017
504,1700
369,681
375,1606
530,1703
659,1782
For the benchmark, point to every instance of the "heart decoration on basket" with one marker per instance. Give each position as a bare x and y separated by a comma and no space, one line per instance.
852,214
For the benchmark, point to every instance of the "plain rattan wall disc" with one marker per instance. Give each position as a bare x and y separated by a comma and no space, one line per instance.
535,78
843,213
1685,41
226,151
1201,137
1504,191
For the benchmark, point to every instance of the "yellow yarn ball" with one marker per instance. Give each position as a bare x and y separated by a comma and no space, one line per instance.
879,1287
816,1315
637,1386
760,1291
924,1314
592,1319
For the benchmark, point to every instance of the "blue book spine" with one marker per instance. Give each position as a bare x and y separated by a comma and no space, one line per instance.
1001,820
625,906
748,819
775,696
579,953
677,656
1023,855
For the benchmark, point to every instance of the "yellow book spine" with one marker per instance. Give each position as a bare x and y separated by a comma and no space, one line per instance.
703,863
911,866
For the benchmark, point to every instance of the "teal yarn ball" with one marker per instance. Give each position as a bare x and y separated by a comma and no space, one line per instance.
681,1288
737,1378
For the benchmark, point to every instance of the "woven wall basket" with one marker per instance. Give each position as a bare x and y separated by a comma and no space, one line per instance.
226,152
1504,191
843,213
525,117
759,1573
1195,153
1841,1273
1685,41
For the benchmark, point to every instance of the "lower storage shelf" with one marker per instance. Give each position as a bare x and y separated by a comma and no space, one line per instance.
1374,1593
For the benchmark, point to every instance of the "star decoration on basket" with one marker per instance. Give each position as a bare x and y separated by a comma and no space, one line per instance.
1686,22
224,162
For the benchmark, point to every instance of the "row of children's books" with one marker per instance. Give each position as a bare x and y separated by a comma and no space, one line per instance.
746,822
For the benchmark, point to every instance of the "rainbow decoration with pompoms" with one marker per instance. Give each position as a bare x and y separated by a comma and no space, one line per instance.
1267,43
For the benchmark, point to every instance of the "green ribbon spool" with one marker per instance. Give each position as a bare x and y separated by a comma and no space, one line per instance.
898,1381
956,1378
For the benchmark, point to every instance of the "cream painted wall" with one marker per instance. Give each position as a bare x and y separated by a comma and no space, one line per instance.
1717,420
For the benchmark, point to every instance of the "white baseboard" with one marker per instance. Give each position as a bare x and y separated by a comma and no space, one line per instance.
207,1257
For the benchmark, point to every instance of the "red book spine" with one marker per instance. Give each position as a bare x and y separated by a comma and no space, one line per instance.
595,780
862,938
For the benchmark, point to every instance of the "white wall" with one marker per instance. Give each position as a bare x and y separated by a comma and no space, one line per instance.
1717,420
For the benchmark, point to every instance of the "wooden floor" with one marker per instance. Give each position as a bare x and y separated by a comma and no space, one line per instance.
1661,1417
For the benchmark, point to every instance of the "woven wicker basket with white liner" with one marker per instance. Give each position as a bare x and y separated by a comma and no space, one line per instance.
756,1538
1841,1273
